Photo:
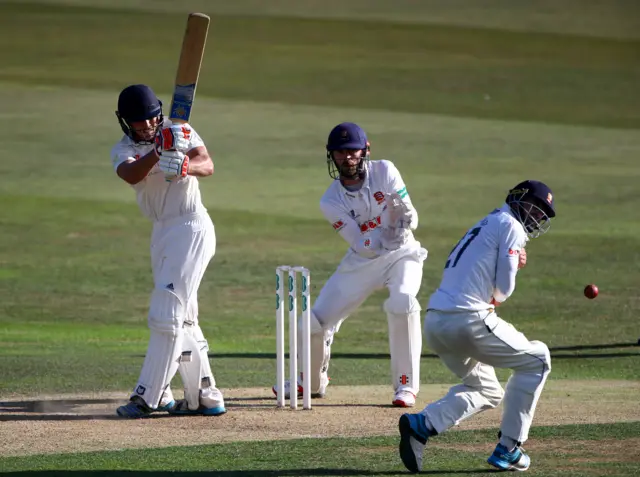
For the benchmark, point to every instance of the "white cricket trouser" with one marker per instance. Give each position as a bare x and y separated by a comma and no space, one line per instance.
345,291
347,288
181,249
471,345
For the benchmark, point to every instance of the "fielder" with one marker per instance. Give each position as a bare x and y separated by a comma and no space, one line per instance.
368,205
162,162
461,325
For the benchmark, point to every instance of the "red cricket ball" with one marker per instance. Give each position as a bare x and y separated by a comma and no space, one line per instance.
591,291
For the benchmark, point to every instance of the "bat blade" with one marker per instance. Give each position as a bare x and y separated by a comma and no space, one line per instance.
193,43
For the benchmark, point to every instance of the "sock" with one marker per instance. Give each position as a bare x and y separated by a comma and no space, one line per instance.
509,443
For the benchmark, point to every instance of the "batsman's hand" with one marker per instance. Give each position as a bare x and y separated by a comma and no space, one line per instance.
174,164
176,137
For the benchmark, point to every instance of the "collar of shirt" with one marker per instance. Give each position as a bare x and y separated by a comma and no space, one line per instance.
353,193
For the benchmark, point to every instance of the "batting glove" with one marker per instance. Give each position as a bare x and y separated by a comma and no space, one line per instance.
176,137
174,164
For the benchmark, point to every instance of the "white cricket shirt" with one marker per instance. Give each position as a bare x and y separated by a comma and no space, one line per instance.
482,265
158,199
356,215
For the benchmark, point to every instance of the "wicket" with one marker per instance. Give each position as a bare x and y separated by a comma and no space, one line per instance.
305,355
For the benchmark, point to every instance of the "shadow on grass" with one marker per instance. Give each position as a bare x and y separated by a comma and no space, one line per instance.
66,410
62,410
58,410
240,473
556,353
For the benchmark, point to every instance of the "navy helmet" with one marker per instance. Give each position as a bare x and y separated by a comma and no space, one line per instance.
532,203
138,102
347,136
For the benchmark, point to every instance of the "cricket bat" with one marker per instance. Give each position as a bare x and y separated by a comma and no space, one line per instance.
184,91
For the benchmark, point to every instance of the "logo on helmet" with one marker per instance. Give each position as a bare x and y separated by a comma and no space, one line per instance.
549,198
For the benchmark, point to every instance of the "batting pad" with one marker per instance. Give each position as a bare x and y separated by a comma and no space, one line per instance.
320,351
405,341
165,344
194,366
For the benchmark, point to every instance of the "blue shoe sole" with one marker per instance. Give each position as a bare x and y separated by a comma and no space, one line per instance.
498,463
503,464
131,413
166,407
212,411
406,451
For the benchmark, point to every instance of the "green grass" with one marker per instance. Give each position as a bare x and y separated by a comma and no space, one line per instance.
466,107
599,18
559,451
443,69
75,252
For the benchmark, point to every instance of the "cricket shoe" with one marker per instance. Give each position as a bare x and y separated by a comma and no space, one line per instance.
182,409
211,404
404,398
324,382
504,460
137,408
413,440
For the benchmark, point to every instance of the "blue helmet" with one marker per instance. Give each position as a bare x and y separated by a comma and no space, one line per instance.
532,203
138,102
347,136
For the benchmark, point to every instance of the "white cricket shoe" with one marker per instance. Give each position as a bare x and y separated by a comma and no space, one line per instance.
324,382
211,404
404,398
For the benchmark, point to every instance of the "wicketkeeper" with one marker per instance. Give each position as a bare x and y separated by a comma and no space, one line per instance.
368,205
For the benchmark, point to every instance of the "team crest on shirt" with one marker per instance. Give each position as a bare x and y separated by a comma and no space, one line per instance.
370,224
379,196
338,225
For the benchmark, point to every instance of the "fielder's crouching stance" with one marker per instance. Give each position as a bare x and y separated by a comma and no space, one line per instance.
369,206
462,327
162,162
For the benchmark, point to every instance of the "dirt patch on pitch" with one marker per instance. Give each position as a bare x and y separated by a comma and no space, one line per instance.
81,423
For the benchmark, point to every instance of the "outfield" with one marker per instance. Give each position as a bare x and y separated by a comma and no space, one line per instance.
467,101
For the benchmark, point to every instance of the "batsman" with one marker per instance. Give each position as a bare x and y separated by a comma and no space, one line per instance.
162,161
368,205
